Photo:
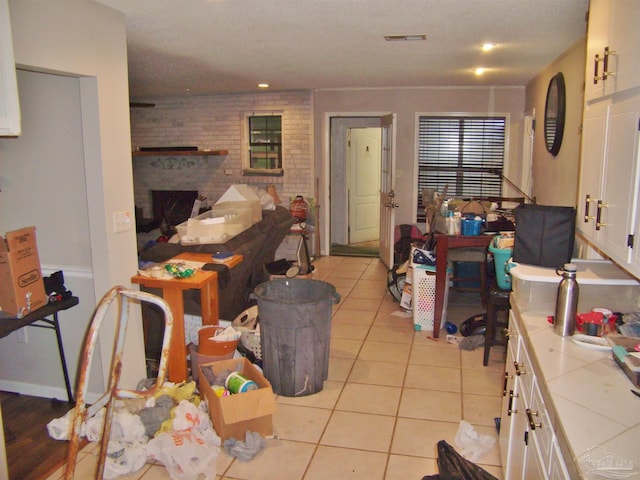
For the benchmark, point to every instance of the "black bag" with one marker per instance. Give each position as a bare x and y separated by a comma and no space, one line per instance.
545,235
395,283
453,466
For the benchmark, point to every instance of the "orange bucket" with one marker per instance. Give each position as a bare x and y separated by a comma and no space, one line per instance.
209,347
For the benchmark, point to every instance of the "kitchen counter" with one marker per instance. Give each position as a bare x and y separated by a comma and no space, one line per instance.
595,417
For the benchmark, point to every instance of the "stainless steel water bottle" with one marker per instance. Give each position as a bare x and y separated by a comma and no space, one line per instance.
564,322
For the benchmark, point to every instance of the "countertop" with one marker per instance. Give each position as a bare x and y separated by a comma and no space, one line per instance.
595,415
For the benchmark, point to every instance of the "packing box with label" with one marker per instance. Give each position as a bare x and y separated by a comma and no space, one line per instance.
21,284
235,415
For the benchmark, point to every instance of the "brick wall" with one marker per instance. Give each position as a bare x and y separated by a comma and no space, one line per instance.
215,122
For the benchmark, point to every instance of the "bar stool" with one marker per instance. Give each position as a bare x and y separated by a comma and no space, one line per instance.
498,301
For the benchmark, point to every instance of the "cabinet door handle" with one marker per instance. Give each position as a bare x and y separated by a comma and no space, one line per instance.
595,69
532,424
507,377
519,367
600,206
587,203
605,67
510,408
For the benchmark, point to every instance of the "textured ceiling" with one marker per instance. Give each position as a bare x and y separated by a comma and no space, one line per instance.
180,47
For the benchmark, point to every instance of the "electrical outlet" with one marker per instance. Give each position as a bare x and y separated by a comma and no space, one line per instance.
21,335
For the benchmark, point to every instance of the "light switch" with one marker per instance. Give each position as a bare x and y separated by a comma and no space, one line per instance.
122,221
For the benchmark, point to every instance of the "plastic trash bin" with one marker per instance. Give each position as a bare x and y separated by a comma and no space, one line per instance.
295,332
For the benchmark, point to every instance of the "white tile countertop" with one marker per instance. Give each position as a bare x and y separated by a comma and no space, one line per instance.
588,397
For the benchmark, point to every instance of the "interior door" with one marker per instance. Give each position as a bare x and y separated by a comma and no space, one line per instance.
387,184
364,184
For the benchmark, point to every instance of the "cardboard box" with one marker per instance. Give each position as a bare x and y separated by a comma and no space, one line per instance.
21,284
234,415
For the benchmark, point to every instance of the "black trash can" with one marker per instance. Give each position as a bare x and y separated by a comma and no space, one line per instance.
295,333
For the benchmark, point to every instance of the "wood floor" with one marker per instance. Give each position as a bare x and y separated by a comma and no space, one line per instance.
31,453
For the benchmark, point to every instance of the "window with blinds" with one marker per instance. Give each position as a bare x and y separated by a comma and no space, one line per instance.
465,153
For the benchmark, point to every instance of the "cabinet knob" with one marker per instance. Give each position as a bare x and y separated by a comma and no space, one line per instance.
599,222
532,424
519,367
587,203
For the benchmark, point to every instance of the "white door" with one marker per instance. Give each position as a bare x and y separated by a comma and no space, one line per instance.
387,195
364,184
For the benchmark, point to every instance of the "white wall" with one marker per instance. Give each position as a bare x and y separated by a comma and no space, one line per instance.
87,41
555,179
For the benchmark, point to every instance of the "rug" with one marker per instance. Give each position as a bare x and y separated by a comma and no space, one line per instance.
355,250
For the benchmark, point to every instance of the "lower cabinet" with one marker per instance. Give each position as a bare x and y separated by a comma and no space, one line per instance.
527,441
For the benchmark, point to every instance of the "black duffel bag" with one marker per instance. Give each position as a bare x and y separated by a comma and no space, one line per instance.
544,235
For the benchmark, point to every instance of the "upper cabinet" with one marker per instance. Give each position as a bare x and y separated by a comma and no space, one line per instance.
613,63
609,187
9,106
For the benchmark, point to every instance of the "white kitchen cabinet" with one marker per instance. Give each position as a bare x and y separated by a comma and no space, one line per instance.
9,105
613,63
609,177
527,440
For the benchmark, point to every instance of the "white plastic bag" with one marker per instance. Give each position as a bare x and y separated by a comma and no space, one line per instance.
186,454
124,458
187,416
60,428
472,445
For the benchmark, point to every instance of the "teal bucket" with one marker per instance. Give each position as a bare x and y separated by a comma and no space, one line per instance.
500,258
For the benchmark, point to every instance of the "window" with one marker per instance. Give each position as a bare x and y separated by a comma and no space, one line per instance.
264,150
465,153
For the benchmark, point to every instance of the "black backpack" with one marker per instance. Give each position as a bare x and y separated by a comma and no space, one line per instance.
405,236
395,283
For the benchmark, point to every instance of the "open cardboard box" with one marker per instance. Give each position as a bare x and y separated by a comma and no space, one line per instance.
234,415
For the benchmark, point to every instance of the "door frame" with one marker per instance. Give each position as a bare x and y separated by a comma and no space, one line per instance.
324,193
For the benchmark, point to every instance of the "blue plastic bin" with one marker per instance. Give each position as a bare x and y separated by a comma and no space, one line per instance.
470,226
500,258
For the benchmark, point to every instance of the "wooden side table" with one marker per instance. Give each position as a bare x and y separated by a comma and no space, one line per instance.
172,290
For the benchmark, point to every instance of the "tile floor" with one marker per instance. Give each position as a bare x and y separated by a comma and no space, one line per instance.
392,394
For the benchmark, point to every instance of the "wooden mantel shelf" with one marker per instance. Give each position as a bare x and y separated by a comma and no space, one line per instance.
178,153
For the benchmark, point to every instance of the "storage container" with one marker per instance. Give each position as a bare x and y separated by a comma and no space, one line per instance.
218,225
602,284
500,258
423,290
471,226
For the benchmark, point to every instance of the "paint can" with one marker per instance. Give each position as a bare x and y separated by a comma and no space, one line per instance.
237,383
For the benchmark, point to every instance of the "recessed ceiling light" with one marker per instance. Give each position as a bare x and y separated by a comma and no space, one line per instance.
397,38
488,46
479,70
263,85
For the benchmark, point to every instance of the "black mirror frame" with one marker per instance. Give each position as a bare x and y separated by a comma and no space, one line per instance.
554,126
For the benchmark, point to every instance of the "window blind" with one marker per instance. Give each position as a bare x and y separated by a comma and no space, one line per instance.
465,153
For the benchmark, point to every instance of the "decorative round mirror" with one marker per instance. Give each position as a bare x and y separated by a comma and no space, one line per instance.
554,112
